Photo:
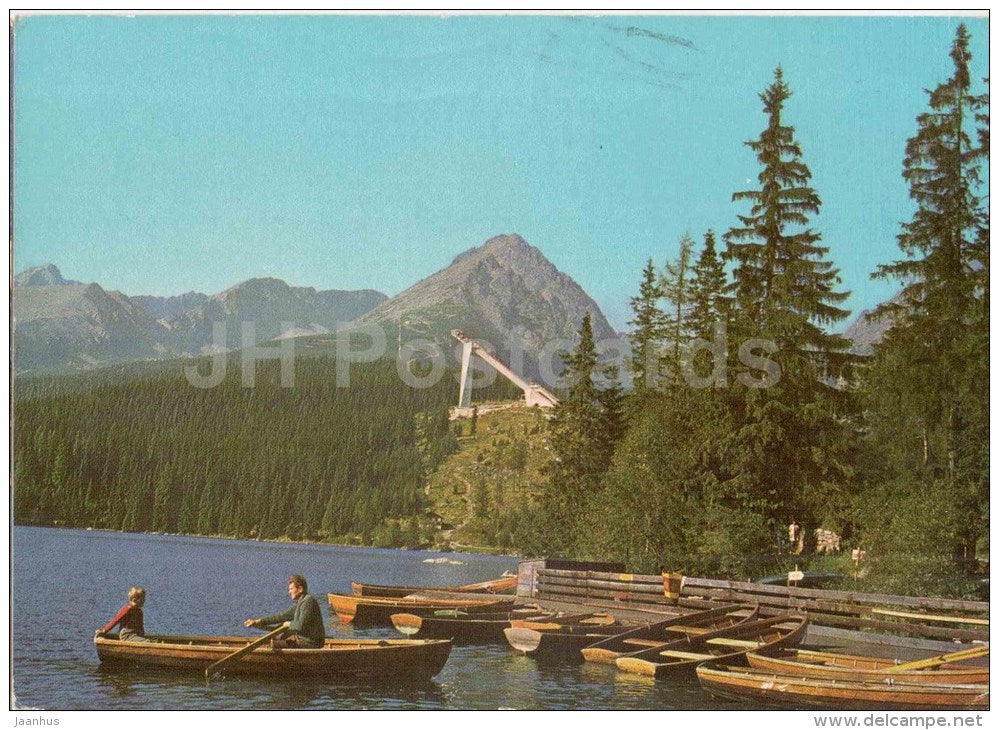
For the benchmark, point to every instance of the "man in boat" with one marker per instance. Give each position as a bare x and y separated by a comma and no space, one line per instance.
306,630
130,618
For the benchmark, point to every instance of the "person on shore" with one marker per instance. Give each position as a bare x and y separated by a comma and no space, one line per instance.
129,617
306,630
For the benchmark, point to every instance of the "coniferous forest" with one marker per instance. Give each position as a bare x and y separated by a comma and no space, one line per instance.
311,461
715,457
746,411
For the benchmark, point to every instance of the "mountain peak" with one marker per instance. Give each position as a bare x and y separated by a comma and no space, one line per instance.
503,244
504,292
44,275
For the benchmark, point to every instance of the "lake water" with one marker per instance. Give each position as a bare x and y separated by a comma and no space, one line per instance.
67,583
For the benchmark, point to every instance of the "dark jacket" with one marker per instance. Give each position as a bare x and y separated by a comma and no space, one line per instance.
306,619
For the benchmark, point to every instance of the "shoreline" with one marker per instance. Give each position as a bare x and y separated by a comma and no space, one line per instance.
272,541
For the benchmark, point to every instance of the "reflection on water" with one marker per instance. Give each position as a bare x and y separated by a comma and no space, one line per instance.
204,586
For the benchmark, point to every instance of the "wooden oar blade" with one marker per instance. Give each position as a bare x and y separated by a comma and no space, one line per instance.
214,669
973,653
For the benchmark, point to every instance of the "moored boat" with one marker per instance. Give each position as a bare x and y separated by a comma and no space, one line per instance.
564,643
663,632
824,665
376,611
480,628
726,644
339,659
503,584
788,690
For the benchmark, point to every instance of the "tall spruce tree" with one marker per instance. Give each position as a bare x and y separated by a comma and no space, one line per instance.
785,460
783,284
940,329
649,329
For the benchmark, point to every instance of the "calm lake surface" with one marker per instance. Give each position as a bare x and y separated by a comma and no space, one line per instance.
67,583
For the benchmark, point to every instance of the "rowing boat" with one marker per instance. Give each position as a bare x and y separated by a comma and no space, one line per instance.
779,689
564,643
663,632
823,665
374,611
504,584
476,628
683,655
338,659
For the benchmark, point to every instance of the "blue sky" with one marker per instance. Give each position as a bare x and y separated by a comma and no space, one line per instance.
162,154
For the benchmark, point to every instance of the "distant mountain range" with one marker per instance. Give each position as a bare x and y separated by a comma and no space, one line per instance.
504,293
62,325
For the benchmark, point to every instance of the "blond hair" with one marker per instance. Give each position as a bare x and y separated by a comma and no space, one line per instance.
136,594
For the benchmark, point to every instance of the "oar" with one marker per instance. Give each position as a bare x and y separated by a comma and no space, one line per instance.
936,661
221,664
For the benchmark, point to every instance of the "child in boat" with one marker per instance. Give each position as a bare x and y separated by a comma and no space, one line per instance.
130,618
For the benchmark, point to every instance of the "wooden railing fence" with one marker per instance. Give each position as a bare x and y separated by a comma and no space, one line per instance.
931,618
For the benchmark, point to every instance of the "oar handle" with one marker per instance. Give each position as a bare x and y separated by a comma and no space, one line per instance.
221,664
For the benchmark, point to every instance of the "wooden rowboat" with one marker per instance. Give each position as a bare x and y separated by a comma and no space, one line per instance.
505,584
339,659
822,665
778,689
378,611
683,655
663,632
562,644
476,628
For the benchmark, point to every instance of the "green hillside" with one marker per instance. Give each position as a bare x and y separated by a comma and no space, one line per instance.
482,491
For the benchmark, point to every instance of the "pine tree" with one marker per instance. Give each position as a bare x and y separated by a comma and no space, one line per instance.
676,289
649,329
707,305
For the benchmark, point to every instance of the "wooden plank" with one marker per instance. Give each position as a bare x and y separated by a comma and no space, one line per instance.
817,634
781,602
945,604
632,587
557,591
643,642
655,613
610,577
620,590
645,599
844,615
738,643
550,590
930,617
673,654
933,632
635,577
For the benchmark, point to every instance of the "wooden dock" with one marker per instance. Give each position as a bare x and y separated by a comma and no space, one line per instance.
912,622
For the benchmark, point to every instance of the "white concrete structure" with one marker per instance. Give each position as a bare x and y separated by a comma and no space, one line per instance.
534,394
